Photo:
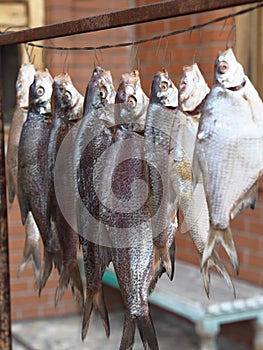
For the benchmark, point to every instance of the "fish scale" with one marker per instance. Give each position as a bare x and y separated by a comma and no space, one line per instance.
229,151
158,127
92,139
192,94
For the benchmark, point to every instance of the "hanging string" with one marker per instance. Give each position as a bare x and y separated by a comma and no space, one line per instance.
154,38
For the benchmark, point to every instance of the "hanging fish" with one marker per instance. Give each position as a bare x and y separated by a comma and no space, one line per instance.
32,168
31,249
193,91
93,138
129,226
158,127
229,151
67,109
24,80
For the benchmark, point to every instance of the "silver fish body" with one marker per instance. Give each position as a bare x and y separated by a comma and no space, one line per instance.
229,151
31,249
130,227
92,140
32,168
24,80
193,91
67,107
158,128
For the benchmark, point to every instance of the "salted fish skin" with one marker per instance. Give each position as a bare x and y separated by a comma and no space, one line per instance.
93,137
133,262
193,91
229,149
24,80
32,168
67,105
158,126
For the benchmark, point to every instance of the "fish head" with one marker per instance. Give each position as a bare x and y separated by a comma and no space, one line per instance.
163,90
100,95
228,72
24,79
131,101
66,98
40,92
192,88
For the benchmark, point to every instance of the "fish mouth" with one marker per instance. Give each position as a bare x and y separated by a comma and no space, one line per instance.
237,87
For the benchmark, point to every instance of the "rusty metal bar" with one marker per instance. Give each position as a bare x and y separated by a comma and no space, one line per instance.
5,309
147,13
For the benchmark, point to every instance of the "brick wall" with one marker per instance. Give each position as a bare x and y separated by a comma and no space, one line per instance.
172,54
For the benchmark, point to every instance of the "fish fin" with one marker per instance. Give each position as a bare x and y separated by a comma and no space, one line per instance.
70,273
128,333
147,332
249,200
31,253
216,261
95,300
32,250
163,254
223,236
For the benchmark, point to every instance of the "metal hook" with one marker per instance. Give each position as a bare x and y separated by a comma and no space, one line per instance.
96,57
232,30
158,46
133,55
65,62
165,52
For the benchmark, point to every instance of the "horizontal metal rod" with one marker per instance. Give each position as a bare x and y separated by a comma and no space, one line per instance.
147,13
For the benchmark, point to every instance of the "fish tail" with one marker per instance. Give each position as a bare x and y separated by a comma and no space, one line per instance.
216,261
31,249
49,259
31,253
223,236
147,332
70,273
162,253
128,333
95,300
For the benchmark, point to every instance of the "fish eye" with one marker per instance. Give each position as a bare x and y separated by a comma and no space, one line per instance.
40,91
182,87
132,101
164,86
223,67
68,95
19,85
103,92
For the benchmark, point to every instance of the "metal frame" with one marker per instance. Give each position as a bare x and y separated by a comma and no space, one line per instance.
143,14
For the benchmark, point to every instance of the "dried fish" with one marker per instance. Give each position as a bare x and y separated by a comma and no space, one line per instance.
193,91
92,139
159,122
67,109
32,168
229,151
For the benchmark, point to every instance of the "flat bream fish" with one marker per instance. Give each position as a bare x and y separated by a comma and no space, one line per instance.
229,151
31,249
158,127
193,91
67,109
32,168
129,226
93,138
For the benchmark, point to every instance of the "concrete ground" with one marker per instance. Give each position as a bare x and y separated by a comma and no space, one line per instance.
64,334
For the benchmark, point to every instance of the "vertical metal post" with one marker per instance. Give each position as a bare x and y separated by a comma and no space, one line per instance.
5,309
